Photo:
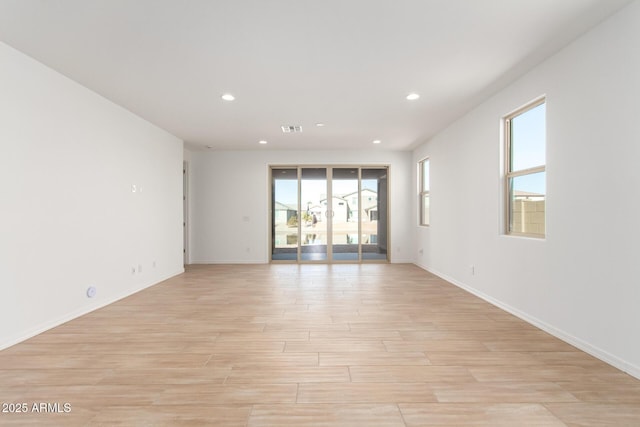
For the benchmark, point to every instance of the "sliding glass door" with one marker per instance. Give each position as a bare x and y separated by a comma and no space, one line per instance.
329,214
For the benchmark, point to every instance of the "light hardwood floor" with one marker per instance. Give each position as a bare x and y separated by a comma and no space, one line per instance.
310,345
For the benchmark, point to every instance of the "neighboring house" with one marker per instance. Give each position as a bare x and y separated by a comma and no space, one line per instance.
372,213
369,207
283,213
345,207
341,211
317,210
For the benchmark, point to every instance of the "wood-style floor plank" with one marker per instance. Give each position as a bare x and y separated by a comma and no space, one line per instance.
324,415
597,414
489,415
309,345
351,392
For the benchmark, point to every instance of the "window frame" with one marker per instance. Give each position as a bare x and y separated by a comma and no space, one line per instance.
423,193
510,174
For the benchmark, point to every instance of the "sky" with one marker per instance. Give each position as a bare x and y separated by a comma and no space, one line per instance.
529,148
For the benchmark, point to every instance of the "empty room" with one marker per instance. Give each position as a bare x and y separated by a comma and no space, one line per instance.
351,212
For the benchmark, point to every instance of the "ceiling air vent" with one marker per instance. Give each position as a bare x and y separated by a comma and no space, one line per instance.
291,129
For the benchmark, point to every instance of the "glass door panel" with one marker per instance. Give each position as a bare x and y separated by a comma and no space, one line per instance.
314,220
285,214
373,213
345,202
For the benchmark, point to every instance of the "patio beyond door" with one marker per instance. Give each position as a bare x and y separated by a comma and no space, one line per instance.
329,214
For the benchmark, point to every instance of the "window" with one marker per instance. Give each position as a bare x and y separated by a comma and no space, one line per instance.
525,178
423,172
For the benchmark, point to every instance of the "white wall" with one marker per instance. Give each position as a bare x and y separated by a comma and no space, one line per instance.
581,282
68,216
227,186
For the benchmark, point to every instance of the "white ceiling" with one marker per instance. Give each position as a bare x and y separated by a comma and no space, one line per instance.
346,63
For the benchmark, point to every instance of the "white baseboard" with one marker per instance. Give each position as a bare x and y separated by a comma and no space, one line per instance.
594,351
402,261
228,261
11,341
262,261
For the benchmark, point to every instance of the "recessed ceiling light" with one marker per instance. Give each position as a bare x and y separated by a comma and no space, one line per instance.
320,125
262,141
413,96
228,97
377,141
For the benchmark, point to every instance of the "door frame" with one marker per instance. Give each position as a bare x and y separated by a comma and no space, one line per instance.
185,212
